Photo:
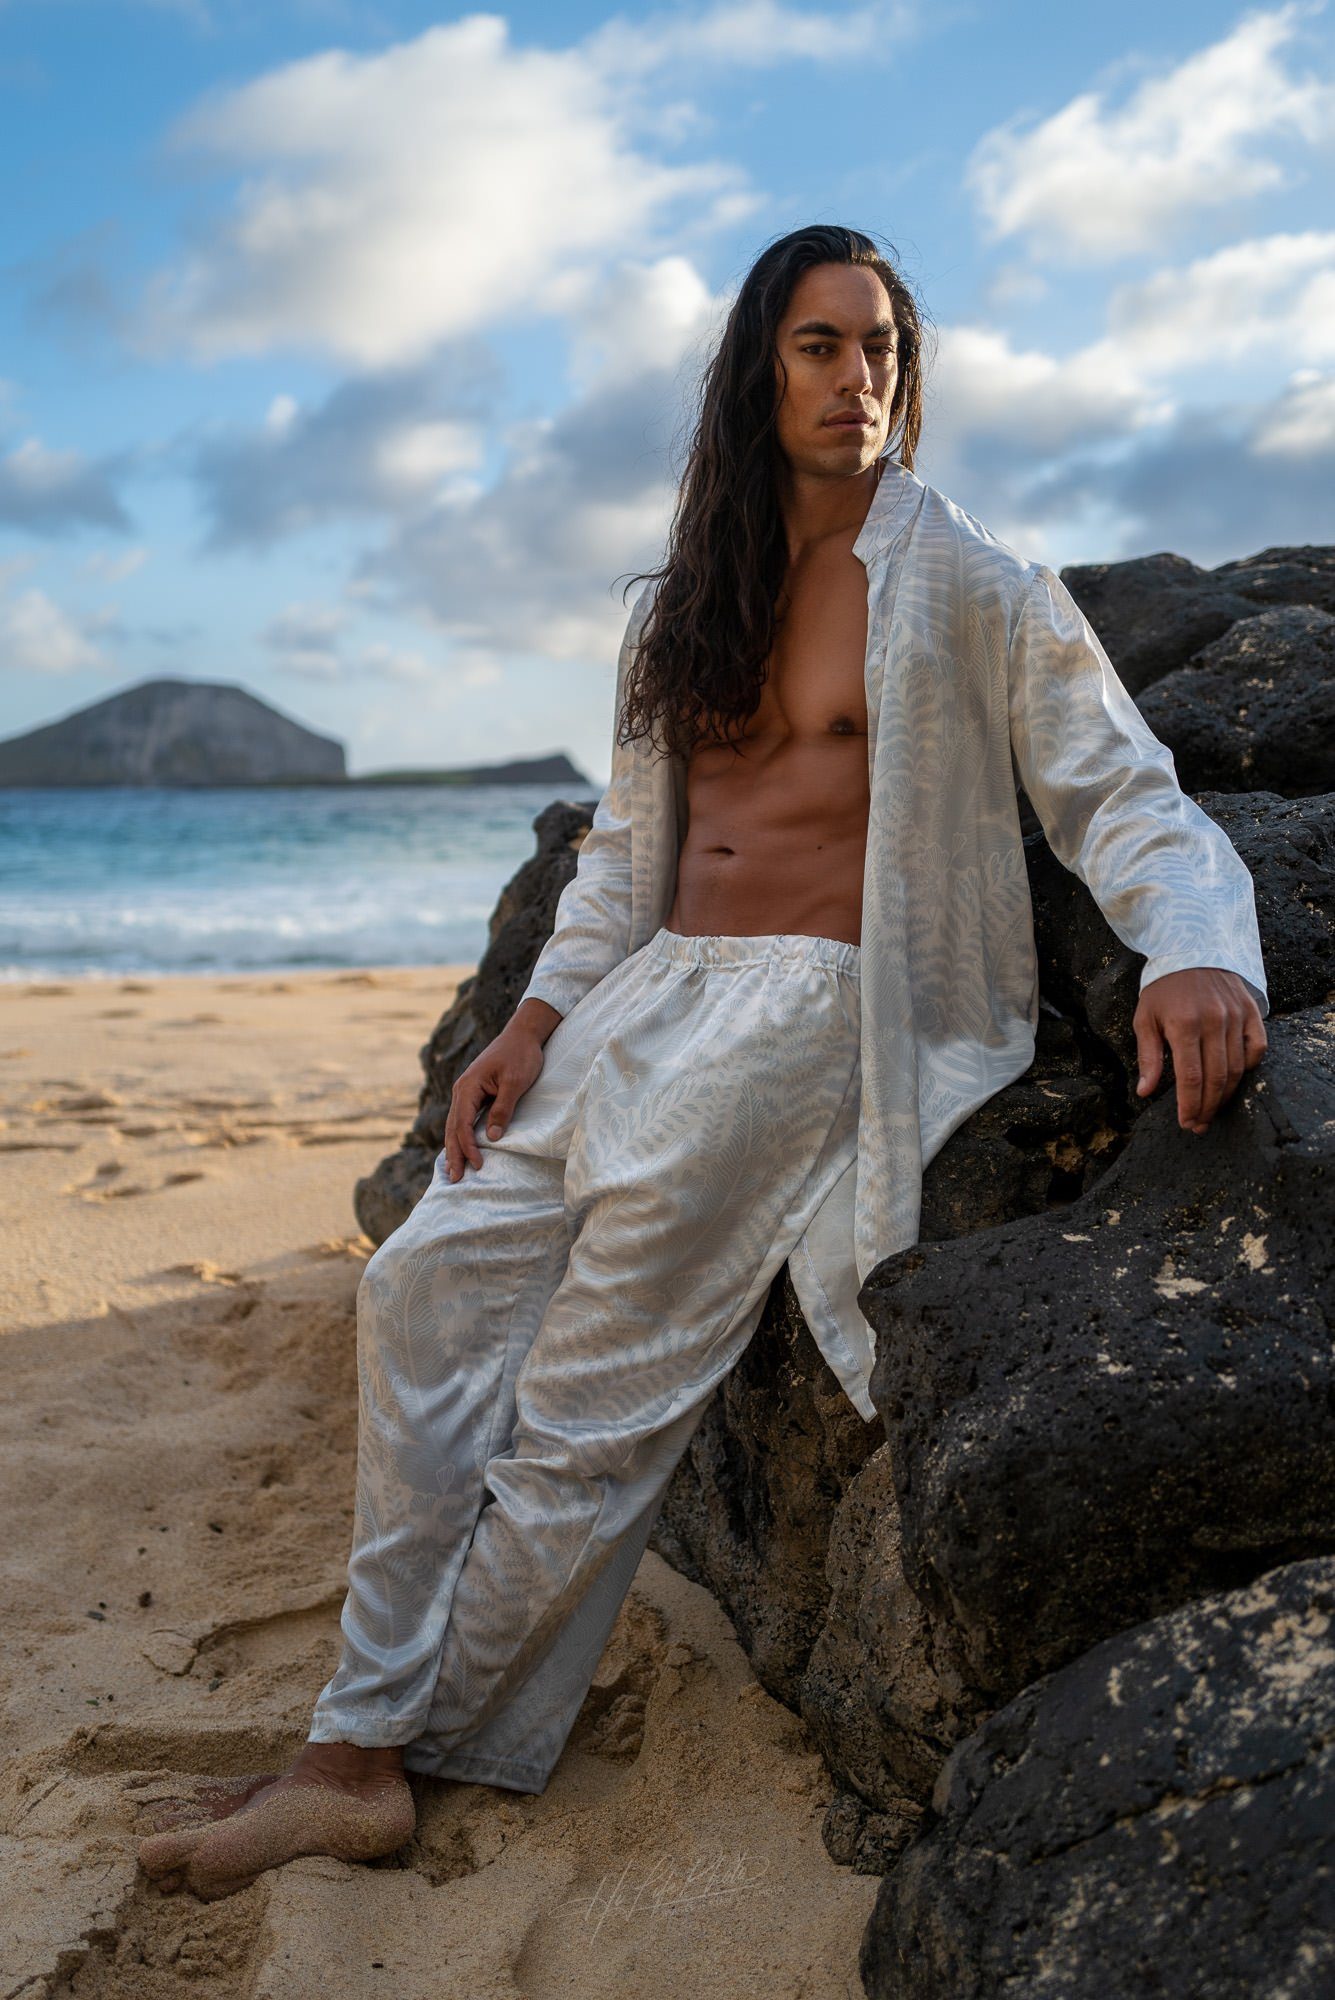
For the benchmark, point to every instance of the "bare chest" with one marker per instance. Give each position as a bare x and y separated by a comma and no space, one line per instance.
815,677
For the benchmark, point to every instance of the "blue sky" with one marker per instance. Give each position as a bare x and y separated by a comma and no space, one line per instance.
346,351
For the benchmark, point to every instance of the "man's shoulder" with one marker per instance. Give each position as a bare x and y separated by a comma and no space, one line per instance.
941,524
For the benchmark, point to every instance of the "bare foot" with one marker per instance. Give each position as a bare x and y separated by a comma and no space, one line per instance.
337,1799
203,1799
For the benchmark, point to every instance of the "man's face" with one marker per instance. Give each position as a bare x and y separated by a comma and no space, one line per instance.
837,341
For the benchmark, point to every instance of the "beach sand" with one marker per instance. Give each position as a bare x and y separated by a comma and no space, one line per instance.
178,1412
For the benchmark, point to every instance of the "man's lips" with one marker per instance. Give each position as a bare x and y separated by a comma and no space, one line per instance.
852,422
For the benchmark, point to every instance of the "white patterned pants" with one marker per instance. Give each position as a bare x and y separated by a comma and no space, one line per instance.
539,1340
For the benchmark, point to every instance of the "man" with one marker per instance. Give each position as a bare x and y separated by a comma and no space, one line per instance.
796,954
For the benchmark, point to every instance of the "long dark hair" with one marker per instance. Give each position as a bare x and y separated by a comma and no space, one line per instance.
703,646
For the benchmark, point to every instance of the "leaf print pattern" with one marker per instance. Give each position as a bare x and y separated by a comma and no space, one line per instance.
539,1340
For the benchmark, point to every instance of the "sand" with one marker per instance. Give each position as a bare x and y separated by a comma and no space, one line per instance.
178,1421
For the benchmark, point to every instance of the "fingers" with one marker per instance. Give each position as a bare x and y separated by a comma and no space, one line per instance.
1255,1041
1214,1066
1210,1057
1149,1051
1215,1035
1235,1038
460,1139
1189,1069
503,1072
499,1115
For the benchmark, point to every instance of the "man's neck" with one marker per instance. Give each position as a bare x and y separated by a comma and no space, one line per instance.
813,508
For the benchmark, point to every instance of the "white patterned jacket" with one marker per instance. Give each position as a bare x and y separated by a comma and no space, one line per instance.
982,674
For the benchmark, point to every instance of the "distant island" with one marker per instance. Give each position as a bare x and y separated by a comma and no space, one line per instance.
178,733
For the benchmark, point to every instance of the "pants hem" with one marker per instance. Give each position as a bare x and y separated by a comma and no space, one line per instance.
364,1734
472,1770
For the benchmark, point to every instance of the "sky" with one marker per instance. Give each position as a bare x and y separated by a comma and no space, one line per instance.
349,352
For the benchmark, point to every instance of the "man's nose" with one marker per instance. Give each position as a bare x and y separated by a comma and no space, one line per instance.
855,373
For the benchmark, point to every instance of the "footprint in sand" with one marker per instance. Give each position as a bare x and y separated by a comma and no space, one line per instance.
89,1100
120,1014
208,1274
359,1247
106,1184
358,1138
222,1138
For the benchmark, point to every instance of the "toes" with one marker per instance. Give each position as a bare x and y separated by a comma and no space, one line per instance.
168,1853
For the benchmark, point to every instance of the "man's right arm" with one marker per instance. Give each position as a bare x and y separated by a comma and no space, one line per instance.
536,1015
592,927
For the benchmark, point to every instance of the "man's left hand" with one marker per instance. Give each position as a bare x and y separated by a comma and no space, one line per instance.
1214,1029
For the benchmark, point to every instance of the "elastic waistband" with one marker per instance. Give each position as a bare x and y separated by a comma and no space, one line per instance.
786,946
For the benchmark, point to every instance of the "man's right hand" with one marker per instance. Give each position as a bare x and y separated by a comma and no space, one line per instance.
504,1071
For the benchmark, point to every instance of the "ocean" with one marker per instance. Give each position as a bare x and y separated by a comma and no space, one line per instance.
123,881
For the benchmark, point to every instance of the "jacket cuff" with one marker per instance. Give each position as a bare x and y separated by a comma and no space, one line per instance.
558,991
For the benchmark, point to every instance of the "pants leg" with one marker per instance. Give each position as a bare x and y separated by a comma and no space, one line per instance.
716,1102
446,1310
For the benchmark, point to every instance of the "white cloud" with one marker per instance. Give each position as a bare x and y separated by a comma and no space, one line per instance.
987,389
1301,423
377,444
15,566
527,565
1214,481
393,200
395,663
281,414
415,458
309,640
46,491
1014,284
305,625
1092,181
638,318
755,32
303,639
112,567
37,637
1273,293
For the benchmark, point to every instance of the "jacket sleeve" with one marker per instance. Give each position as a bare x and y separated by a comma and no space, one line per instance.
592,927
1169,881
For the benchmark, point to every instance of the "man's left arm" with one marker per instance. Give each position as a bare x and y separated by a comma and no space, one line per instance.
1169,881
